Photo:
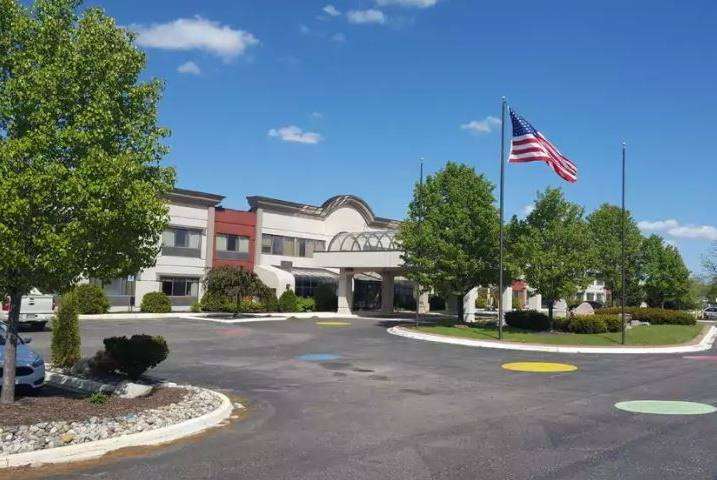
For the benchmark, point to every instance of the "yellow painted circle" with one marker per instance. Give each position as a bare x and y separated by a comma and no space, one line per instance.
539,367
333,324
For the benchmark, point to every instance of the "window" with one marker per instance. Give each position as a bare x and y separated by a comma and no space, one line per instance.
182,242
232,247
290,246
180,286
591,297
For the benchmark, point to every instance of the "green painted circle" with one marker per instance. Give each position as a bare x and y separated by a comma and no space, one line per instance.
666,407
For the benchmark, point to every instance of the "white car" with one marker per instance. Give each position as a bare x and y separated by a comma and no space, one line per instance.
36,309
709,313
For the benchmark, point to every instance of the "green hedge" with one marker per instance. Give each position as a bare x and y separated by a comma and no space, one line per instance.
305,304
156,302
325,299
587,324
135,355
91,299
65,347
288,301
528,320
215,303
656,316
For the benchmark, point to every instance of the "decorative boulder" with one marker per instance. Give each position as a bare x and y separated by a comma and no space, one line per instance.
584,309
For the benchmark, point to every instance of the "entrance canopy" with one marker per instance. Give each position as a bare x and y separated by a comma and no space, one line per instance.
375,250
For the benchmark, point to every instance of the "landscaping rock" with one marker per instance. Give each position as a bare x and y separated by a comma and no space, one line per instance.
26,438
584,309
132,390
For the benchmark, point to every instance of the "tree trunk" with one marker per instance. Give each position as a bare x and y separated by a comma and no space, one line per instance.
550,313
459,308
8,380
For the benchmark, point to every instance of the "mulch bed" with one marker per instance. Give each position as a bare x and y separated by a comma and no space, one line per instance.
51,404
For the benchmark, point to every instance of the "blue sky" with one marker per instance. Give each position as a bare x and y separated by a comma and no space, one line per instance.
306,99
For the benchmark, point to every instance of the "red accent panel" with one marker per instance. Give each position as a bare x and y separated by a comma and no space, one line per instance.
235,222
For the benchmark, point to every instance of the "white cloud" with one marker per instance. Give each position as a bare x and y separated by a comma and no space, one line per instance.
190,68
331,11
528,209
294,134
674,228
481,126
407,3
338,37
195,34
366,16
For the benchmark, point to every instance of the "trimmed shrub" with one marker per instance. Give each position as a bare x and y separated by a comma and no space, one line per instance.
481,302
325,297
65,346
613,322
268,300
91,299
196,307
587,324
656,316
102,363
156,302
288,301
527,320
137,354
307,304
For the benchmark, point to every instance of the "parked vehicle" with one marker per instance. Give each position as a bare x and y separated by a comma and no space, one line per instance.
36,309
30,366
709,313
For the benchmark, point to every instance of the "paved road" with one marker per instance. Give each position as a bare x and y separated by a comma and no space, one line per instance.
395,408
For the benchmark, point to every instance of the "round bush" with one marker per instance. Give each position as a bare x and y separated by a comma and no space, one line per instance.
156,302
288,301
528,320
135,355
306,304
91,299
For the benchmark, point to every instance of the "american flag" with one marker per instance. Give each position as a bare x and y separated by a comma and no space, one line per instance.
529,145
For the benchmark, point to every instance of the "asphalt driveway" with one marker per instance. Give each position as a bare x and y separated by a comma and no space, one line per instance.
387,407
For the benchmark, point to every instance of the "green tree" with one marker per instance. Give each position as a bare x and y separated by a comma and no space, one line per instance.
665,277
232,282
604,226
550,247
80,181
710,263
450,237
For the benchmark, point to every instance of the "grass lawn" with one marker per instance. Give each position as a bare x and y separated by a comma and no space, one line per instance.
643,335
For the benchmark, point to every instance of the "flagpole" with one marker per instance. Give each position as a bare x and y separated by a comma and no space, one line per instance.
622,246
420,221
502,240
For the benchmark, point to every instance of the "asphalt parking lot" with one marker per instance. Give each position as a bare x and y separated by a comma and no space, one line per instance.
369,405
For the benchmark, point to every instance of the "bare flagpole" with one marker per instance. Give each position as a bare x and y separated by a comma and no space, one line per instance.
502,240
420,221
622,246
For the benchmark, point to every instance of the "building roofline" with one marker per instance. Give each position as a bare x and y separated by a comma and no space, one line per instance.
181,195
323,211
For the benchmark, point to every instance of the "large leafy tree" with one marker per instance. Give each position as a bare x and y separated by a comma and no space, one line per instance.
604,226
551,247
665,275
710,263
80,182
232,282
450,237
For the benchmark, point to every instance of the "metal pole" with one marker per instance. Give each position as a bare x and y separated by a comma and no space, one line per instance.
502,188
420,222
622,246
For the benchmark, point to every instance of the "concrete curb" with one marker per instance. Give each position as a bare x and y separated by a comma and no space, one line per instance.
704,344
91,450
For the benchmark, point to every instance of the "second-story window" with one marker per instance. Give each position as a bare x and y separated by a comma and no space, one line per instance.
290,246
182,242
232,247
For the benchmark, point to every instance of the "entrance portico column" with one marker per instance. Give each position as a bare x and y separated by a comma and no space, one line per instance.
345,292
387,292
